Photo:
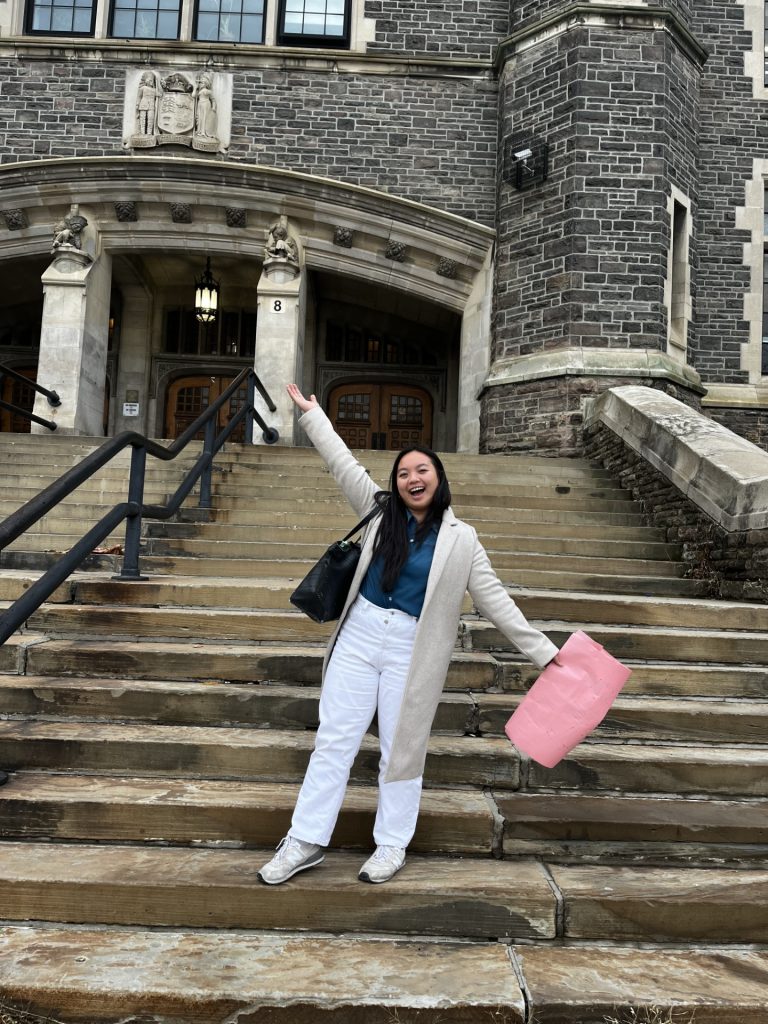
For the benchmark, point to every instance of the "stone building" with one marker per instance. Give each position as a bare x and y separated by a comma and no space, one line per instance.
452,220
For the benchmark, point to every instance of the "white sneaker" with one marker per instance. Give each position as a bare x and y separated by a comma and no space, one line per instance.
385,862
293,855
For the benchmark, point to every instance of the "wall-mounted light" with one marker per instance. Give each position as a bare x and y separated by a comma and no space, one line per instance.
206,296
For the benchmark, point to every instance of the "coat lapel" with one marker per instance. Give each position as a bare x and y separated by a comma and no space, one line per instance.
446,538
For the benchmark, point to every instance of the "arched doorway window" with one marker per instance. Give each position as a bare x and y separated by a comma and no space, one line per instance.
188,397
385,416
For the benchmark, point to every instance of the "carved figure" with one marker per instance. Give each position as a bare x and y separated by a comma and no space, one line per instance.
67,231
280,245
205,111
146,104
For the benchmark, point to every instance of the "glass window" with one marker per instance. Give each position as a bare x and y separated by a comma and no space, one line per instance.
146,19
230,21
233,333
314,22
62,17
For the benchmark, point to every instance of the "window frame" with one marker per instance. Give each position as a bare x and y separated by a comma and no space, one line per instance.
301,40
29,17
239,42
160,39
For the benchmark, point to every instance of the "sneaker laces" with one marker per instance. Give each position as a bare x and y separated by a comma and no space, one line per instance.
284,848
385,854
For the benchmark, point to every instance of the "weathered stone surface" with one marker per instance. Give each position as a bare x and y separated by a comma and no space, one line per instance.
103,976
568,985
219,889
109,808
258,754
663,905
657,768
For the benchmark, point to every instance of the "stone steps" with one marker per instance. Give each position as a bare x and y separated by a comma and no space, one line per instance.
291,978
284,706
148,783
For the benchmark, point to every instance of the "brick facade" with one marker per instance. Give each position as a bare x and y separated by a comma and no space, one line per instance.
439,28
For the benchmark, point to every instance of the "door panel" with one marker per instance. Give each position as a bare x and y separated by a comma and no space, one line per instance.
22,395
385,416
188,397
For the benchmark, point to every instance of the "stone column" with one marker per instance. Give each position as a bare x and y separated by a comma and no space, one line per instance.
73,340
280,332
475,358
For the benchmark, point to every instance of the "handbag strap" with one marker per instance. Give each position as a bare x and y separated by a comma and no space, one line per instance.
362,523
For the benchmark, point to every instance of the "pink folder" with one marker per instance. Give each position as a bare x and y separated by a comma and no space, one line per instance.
567,701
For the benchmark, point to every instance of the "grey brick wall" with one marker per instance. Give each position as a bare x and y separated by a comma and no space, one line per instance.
432,140
583,258
444,28
733,128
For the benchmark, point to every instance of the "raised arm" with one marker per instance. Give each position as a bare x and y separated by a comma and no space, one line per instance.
353,479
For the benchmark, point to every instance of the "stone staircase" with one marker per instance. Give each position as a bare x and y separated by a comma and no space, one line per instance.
157,733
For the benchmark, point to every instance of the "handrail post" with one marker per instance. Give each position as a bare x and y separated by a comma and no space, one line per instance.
130,569
205,480
251,399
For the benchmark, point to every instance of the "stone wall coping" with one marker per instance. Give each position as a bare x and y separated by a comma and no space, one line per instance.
225,56
737,396
593,362
624,15
725,475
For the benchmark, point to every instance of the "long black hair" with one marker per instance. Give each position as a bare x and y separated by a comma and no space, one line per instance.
392,538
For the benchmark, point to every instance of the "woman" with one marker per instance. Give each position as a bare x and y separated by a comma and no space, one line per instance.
391,650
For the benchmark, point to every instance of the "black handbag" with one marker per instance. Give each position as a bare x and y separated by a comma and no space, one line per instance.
323,591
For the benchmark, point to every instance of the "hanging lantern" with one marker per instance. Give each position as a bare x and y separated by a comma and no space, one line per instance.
206,296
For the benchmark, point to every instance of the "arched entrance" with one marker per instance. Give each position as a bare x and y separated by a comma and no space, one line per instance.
384,416
187,397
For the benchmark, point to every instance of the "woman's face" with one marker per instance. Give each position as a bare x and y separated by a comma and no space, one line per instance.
417,481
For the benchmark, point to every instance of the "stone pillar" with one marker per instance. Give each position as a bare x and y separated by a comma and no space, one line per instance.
475,358
134,360
73,340
279,344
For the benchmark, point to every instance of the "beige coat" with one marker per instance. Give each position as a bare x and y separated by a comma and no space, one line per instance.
460,564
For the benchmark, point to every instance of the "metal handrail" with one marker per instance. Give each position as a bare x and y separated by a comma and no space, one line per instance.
27,414
133,510
7,371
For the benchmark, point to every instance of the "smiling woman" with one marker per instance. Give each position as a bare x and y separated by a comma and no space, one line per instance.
391,650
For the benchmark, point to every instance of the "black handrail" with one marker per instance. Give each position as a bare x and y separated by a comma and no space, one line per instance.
28,415
7,371
133,510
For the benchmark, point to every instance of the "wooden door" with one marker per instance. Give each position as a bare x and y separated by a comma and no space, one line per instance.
188,397
384,416
22,395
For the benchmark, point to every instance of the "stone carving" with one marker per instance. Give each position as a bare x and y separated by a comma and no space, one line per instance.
236,216
16,219
67,232
447,268
343,237
181,213
126,212
176,109
396,251
280,246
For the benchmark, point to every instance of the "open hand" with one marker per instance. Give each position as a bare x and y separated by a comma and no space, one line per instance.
305,404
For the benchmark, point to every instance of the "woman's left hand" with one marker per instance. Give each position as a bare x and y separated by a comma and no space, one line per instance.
305,404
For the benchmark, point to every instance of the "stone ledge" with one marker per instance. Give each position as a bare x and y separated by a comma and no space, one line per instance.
736,396
593,362
723,474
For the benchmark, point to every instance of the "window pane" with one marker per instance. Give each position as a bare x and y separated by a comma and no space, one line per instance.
293,23
146,25
167,25
82,21
209,5
294,5
334,26
253,7
123,25
314,25
315,6
207,26
230,28
335,7
315,18
61,20
41,19
252,29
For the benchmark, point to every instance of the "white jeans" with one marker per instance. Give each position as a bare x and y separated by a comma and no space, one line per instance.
366,673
